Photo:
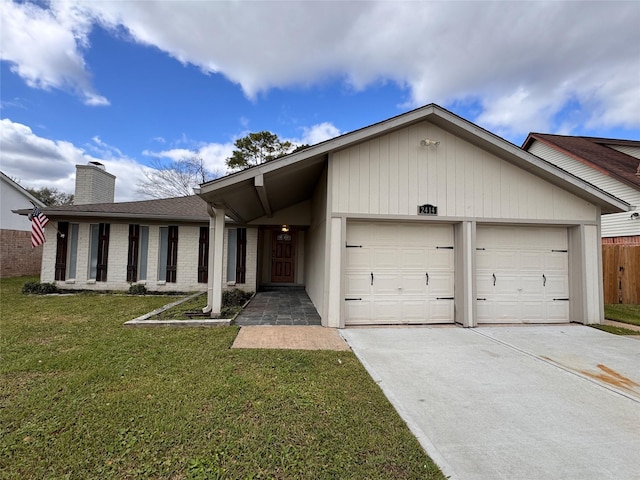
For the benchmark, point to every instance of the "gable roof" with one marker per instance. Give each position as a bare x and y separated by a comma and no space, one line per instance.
30,198
182,209
269,187
595,153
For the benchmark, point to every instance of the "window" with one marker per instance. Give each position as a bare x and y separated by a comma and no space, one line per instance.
73,250
168,260
66,251
236,255
137,253
99,252
203,255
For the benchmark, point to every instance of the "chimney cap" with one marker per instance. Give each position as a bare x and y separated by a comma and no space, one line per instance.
97,164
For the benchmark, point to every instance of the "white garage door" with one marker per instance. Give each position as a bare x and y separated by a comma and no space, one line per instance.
522,275
398,273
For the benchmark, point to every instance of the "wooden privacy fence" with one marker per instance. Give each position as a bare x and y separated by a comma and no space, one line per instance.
621,273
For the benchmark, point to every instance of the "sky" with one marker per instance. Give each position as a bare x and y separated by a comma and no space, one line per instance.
133,83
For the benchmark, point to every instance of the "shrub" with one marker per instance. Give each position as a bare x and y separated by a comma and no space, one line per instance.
235,297
37,288
137,289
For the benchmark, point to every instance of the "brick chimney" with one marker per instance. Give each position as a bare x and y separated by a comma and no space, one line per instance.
94,184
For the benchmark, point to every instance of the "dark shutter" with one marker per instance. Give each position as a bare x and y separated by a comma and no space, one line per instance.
132,255
203,255
241,255
172,254
61,251
103,252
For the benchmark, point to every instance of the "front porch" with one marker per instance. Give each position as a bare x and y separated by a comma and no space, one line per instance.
279,306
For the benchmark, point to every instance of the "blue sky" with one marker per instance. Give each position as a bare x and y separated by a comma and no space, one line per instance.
130,83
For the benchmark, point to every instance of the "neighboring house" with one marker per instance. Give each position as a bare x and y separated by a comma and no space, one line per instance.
609,164
17,257
613,166
422,218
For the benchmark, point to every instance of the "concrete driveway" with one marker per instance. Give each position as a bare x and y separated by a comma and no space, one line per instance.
530,402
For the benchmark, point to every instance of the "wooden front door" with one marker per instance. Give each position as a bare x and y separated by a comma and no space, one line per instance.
283,257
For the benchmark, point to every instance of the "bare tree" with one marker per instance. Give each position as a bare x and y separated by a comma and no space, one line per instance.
176,178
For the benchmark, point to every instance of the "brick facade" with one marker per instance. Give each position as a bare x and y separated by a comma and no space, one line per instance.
632,240
17,257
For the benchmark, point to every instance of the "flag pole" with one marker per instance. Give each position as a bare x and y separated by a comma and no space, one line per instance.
56,228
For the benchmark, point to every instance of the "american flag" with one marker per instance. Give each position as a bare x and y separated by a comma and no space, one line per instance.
38,221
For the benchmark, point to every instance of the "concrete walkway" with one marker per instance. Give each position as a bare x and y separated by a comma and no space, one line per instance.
280,307
513,403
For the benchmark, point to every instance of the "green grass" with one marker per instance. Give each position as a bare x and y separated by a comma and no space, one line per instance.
83,397
623,313
615,330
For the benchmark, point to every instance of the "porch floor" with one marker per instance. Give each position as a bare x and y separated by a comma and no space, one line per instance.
279,307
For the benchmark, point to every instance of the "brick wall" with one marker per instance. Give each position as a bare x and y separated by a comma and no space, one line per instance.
631,240
17,258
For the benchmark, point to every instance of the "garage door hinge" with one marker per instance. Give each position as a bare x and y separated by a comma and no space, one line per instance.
444,248
351,299
561,251
480,248
483,299
561,299
444,298
352,246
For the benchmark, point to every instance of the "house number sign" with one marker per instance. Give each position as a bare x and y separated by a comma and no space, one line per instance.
427,209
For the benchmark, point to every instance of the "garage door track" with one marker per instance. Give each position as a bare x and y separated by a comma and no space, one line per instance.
530,402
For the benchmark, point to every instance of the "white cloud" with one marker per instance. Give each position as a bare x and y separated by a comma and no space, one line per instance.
534,57
317,133
44,47
213,155
41,162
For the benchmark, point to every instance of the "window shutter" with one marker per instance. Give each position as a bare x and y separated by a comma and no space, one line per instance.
103,252
132,256
203,255
61,251
241,255
172,254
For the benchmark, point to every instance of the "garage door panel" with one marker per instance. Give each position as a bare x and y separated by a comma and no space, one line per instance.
358,312
441,284
556,286
385,310
358,258
385,257
440,258
385,283
556,262
413,258
413,283
440,311
358,283
557,311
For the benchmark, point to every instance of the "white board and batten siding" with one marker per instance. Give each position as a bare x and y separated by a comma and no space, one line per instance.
615,224
522,275
399,273
393,174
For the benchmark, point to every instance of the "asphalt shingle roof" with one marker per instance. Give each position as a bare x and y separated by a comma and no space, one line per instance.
177,208
595,153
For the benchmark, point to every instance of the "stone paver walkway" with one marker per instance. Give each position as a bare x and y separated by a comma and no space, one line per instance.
281,307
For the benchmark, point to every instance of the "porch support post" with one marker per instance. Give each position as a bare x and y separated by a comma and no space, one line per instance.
216,244
465,277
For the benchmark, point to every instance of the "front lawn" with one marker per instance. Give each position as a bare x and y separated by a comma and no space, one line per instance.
622,313
81,396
